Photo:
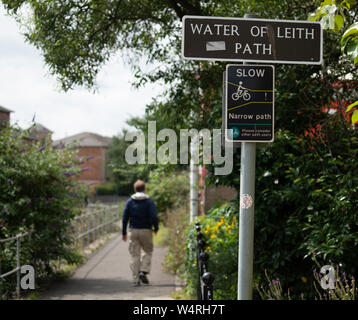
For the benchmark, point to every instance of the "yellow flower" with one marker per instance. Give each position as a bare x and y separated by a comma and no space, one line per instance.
215,229
304,279
208,248
219,224
213,236
207,230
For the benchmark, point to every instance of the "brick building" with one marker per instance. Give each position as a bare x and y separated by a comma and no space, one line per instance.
93,147
38,132
4,116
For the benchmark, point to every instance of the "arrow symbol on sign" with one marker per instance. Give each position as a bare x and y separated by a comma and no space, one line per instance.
215,46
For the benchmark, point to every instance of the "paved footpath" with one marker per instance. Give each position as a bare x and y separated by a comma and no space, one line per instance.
106,276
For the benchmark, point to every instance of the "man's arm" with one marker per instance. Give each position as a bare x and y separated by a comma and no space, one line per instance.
125,221
154,215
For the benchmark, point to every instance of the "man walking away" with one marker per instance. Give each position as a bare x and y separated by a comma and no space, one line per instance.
141,212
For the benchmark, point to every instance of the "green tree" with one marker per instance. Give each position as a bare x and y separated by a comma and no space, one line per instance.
38,195
78,37
122,174
169,191
341,18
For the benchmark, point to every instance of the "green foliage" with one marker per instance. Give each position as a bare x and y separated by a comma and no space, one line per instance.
162,236
344,287
329,14
176,223
311,206
168,191
220,229
334,15
351,106
107,189
273,290
305,205
122,174
349,42
78,38
37,194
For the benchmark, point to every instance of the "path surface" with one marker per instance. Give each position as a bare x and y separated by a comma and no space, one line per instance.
106,276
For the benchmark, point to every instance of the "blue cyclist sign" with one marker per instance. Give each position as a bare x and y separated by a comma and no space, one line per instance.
249,108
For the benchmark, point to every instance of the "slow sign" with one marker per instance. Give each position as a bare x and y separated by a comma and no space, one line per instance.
249,109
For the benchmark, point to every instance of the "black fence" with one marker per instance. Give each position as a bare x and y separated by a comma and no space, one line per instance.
205,289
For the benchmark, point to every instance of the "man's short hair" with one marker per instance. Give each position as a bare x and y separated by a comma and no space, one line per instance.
139,186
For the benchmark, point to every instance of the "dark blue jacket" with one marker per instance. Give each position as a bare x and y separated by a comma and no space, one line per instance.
141,212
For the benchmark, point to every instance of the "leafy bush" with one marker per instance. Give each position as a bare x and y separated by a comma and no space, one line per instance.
343,287
168,191
37,194
305,207
120,173
220,229
107,189
176,223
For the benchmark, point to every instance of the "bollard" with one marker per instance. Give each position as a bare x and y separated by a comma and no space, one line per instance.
205,289
208,280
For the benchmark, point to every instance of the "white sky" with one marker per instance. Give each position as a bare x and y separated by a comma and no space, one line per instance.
26,87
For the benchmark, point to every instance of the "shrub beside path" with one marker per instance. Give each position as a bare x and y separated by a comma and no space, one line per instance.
106,276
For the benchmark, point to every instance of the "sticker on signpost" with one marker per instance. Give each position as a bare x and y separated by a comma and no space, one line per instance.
249,109
246,201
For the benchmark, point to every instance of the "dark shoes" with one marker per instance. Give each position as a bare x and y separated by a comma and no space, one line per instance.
143,277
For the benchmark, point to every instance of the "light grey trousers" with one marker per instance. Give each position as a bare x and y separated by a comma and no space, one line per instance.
140,240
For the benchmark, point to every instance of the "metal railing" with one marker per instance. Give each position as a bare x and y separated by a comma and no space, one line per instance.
18,263
205,290
97,221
